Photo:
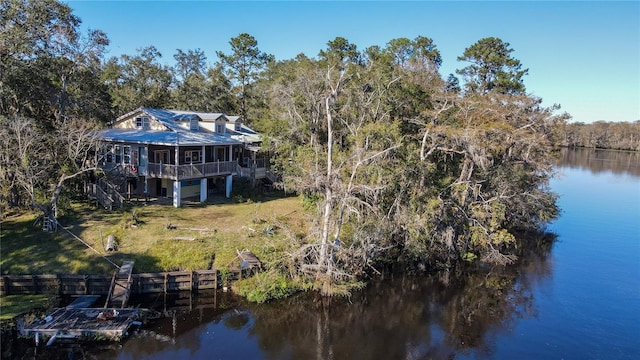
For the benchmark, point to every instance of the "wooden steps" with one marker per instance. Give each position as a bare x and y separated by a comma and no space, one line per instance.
248,260
120,287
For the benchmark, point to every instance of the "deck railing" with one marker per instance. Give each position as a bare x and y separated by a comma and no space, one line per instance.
191,171
197,171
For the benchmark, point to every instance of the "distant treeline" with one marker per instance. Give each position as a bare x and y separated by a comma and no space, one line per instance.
602,135
597,160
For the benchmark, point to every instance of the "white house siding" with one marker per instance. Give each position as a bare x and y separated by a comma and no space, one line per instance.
215,126
130,123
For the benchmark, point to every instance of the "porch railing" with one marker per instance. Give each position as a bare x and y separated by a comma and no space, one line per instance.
191,171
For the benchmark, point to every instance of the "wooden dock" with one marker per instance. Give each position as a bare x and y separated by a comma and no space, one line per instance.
75,323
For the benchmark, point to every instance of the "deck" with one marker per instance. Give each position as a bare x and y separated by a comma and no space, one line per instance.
191,171
83,322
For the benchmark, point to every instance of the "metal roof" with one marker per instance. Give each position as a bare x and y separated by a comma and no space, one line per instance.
244,134
180,137
176,134
202,115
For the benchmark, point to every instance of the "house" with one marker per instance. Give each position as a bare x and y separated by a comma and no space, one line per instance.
177,154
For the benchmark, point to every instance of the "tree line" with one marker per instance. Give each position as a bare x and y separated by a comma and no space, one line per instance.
602,135
395,162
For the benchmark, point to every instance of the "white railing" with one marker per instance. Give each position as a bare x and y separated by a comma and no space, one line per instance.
191,171
261,173
244,172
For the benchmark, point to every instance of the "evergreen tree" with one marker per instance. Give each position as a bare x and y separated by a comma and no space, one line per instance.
492,68
243,66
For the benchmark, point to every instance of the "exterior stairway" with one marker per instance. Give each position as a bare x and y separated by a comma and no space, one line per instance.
105,191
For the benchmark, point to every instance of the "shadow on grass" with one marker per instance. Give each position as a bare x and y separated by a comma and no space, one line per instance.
26,249
202,232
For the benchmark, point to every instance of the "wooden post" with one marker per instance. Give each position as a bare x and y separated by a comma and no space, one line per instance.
191,281
5,285
215,277
59,284
165,283
86,284
34,283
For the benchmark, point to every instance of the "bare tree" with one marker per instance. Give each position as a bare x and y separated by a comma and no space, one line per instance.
38,165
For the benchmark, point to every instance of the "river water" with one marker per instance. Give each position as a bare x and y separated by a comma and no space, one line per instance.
577,297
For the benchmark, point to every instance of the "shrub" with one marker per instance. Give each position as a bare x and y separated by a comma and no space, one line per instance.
265,286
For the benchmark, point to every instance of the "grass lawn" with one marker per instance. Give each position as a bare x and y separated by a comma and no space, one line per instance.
14,305
218,229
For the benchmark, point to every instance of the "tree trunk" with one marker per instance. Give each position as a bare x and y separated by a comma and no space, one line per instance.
58,189
328,190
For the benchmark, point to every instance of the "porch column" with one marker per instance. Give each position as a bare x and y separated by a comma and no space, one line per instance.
230,153
176,193
146,188
228,187
203,190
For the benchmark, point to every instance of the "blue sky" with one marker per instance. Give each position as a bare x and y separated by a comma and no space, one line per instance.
584,56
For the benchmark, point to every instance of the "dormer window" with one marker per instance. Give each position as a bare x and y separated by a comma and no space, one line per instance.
142,122
237,126
220,128
194,125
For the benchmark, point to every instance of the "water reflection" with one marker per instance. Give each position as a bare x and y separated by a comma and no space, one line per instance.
404,317
439,317
429,317
596,161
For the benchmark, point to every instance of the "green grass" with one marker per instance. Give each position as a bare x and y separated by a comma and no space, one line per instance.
25,249
12,306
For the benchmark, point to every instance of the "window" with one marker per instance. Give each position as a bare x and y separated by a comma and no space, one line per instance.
191,157
142,122
219,128
127,155
101,155
118,153
135,157
109,154
193,125
237,126
161,156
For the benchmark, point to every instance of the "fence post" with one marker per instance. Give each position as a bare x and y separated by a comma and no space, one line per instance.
5,285
165,283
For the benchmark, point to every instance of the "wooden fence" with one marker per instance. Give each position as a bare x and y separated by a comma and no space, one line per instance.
147,283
